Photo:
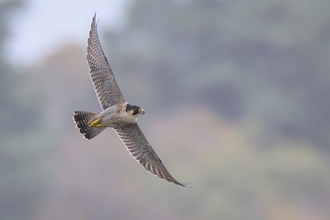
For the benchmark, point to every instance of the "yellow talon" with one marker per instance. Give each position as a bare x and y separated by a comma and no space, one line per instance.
96,123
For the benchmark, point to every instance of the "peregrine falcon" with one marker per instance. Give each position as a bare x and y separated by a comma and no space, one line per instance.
116,112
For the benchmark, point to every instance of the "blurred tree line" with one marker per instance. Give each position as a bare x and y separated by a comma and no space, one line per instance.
242,90
264,61
20,127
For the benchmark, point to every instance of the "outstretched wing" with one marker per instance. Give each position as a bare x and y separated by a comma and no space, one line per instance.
106,88
138,146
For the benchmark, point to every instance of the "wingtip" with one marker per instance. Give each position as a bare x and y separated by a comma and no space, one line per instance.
94,22
181,184
186,185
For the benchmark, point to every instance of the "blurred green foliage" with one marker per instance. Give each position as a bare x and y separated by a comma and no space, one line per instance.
247,59
236,99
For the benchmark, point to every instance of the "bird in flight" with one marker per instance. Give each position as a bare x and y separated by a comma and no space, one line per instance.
116,112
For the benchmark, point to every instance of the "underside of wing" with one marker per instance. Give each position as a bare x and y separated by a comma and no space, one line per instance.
106,88
138,146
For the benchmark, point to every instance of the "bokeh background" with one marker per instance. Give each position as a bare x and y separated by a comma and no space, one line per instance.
237,104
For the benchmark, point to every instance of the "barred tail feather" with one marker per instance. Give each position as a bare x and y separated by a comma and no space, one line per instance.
81,120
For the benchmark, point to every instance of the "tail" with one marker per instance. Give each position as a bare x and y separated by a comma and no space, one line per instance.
81,120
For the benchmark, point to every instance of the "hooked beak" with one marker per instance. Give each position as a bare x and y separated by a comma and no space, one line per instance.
142,112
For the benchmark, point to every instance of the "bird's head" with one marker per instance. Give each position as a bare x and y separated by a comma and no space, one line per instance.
134,110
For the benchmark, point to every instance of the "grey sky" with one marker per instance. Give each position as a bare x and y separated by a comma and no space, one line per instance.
44,25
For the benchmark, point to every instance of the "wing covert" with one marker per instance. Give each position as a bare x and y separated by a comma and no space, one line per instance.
105,86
